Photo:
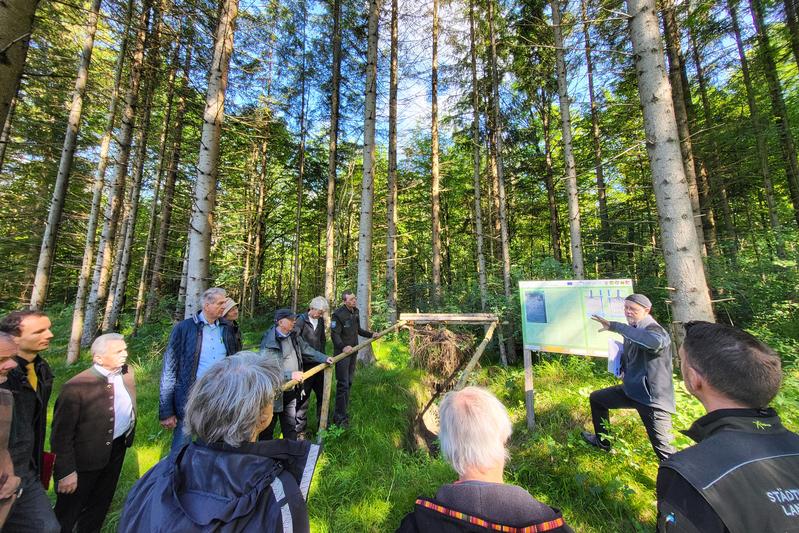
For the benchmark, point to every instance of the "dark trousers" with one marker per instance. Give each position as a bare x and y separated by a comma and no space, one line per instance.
656,421
345,372
316,385
179,438
32,511
87,506
288,417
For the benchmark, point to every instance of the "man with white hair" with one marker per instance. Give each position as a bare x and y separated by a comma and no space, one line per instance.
195,344
474,431
311,327
93,426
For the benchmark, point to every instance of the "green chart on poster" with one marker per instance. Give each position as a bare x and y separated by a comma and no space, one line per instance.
556,315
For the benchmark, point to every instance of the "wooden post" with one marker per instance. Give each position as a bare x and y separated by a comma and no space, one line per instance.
529,391
476,357
325,402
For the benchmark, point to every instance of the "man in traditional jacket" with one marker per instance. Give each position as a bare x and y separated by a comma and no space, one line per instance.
743,473
311,327
93,426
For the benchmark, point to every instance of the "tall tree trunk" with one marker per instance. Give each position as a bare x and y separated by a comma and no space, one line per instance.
503,203
478,208
778,108
601,193
163,163
208,162
295,289
47,252
116,297
169,186
330,230
760,136
792,22
102,269
672,35
715,182
16,24
549,178
690,297
391,200
73,348
435,172
5,135
568,153
367,186
180,307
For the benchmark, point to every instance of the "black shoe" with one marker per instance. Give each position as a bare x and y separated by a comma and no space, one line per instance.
592,439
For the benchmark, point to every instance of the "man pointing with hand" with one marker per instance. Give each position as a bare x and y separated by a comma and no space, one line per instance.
647,386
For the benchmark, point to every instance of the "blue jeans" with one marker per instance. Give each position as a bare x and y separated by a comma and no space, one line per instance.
32,512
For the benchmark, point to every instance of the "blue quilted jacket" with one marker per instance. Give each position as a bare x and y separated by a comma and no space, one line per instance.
179,368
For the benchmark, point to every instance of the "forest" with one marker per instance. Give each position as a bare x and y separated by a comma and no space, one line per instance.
427,156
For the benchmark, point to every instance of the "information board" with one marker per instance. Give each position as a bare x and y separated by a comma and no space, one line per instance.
556,315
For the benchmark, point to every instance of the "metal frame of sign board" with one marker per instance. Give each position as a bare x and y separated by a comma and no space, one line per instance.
625,285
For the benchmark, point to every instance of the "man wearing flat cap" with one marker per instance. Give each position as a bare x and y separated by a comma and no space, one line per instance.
282,344
647,385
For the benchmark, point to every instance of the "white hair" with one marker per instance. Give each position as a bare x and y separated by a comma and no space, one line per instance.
100,344
212,294
320,303
475,427
225,404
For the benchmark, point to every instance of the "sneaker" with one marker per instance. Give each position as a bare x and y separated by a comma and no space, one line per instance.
592,439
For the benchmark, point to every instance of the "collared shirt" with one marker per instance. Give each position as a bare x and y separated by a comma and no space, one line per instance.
213,347
123,405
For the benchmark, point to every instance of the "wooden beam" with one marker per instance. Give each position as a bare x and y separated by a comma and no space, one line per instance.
476,357
450,318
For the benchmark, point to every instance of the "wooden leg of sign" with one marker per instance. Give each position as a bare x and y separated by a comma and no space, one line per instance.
529,391
325,401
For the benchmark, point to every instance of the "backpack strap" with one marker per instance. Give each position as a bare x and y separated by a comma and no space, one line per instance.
549,525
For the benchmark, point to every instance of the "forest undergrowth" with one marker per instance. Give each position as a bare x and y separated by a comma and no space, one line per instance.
370,475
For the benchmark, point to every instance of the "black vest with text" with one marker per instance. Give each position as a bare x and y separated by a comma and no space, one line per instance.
746,466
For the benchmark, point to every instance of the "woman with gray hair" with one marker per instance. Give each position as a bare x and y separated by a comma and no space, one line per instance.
474,431
226,480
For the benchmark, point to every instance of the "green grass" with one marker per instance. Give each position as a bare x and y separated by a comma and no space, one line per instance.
369,477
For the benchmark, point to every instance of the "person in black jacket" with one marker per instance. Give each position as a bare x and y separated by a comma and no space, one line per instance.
311,327
31,383
230,317
345,326
474,431
647,384
226,480
743,473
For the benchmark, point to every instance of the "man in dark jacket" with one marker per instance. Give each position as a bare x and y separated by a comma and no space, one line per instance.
31,383
93,426
225,481
311,327
282,345
345,326
195,344
743,473
230,318
646,380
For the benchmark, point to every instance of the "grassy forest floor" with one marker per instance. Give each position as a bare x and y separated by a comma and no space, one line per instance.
369,476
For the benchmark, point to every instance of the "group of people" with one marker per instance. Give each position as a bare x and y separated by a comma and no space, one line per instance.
295,343
226,473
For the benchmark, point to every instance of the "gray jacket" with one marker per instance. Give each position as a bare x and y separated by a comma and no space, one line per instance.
647,363
272,349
